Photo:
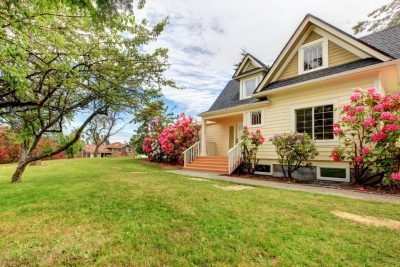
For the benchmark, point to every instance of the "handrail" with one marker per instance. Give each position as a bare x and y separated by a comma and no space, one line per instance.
191,153
234,157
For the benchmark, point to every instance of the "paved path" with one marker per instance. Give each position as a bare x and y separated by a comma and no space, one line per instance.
299,187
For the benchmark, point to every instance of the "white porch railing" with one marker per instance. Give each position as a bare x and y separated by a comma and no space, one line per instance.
234,157
191,153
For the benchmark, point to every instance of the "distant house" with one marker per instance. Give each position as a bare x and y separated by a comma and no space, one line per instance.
313,76
111,150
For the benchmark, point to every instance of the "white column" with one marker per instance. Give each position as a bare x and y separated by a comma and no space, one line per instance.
203,138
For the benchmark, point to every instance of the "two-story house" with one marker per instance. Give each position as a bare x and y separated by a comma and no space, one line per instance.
315,73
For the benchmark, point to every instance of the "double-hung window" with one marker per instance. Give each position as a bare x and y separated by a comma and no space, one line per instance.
313,56
247,86
316,121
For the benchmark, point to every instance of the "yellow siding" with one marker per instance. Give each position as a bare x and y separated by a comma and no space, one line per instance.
312,37
278,114
291,69
338,55
218,133
249,66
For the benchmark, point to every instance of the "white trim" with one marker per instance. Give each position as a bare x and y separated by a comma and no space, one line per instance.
325,59
319,177
329,77
311,20
341,43
243,86
248,118
333,102
243,63
271,173
226,112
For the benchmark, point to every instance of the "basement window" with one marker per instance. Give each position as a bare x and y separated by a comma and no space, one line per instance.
263,169
333,174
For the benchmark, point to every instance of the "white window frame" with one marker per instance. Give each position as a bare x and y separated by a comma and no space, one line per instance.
249,118
333,102
243,86
319,177
324,42
271,173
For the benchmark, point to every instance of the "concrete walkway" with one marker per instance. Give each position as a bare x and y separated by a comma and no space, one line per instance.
298,187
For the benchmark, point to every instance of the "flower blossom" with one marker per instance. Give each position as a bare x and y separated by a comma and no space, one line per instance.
360,108
366,150
346,107
395,176
337,131
355,95
359,159
369,122
386,115
390,128
335,156
378,137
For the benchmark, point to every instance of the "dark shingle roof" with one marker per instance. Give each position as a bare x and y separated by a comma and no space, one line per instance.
321,73
229,97
387,41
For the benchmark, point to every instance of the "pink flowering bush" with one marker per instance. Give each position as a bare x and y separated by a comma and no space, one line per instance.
151,144
294,150
176,138
369,130
250,144
167,142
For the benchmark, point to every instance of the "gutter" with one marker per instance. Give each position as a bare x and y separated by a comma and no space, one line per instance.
329,77
233,109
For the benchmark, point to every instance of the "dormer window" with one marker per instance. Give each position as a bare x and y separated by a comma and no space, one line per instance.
247,86
313,56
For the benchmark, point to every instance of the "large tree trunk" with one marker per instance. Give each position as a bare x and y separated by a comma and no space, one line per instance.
17,176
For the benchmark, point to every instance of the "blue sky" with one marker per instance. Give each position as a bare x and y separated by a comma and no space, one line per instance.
205,38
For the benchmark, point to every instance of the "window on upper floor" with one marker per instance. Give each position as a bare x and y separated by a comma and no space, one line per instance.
247,86
313,56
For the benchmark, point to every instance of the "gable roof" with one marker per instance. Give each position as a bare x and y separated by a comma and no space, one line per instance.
256,62
387,41
294,41
229,97
117,145
322,73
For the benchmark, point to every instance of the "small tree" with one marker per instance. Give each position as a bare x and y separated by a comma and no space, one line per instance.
72,150
249,145
369,130
294,150
101,128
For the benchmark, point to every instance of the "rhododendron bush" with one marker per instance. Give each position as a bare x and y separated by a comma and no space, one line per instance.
369,131
169,142
250,144
294,150
9,151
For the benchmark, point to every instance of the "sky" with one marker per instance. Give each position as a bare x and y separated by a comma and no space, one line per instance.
205,39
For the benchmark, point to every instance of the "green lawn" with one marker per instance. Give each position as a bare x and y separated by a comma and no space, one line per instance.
99,212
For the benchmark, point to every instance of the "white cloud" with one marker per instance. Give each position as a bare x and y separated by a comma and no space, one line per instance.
205,37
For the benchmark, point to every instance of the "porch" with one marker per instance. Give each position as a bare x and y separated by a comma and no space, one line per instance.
218,149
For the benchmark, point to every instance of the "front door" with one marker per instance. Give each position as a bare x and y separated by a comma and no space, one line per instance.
235,132
231,136
239,131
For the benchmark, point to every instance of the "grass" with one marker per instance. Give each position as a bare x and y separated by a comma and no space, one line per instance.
100,212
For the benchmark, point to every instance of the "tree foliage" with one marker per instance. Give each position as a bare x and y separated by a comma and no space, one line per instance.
55,63
382,18
74,149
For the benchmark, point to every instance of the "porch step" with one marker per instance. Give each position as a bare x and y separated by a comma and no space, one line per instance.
209,163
